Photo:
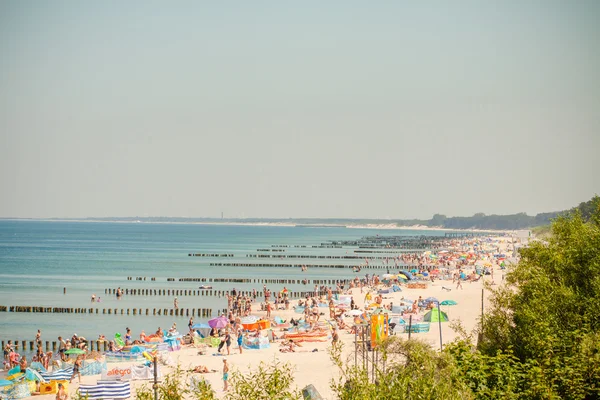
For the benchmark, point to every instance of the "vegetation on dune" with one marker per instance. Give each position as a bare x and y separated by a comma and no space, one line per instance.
477,221
273,381
411,370
541,338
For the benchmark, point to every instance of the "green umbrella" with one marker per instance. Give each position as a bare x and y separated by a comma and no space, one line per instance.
448,303
75,350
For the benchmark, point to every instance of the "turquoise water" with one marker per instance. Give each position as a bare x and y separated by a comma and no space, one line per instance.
40,258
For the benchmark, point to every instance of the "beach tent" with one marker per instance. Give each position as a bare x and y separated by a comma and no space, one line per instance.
202,329
435,316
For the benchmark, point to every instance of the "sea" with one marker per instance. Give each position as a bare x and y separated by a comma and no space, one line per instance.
64,263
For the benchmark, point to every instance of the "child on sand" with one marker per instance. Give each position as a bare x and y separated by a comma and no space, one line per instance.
225,374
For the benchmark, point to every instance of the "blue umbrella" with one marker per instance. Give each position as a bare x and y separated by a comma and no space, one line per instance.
200,326
4,382
431,299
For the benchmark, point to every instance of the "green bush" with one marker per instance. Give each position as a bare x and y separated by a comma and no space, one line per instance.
408,370
540,338
178,385
272,381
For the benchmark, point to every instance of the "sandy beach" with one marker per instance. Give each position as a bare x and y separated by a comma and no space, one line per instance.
311,362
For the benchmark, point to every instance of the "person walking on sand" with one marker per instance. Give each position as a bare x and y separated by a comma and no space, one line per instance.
459,283
225,374
76,367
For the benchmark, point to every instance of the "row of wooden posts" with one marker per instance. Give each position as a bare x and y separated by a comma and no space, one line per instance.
296,265
139,278
318,257
209,255
265,281
200,312
54,345
219,293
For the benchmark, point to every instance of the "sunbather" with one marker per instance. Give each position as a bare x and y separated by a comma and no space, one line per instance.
203,369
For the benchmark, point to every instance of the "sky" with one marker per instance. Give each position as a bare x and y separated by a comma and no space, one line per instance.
341,109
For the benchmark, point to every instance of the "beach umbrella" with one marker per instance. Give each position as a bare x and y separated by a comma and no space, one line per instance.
355,313
431,299
388,276
448,303
200,326
218,323
75,350
4,382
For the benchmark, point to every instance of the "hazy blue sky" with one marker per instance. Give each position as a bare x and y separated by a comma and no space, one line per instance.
298,109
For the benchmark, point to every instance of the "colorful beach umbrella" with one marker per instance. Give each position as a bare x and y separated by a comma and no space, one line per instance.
75,350
218,323
355,313
4,382
448,303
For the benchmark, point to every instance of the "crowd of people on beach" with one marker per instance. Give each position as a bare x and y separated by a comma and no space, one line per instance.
463,264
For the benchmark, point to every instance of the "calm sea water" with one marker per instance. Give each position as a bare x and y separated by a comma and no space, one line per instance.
40,258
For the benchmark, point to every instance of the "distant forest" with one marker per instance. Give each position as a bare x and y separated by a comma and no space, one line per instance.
477,221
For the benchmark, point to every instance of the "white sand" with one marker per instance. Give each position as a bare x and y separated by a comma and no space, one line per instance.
316,367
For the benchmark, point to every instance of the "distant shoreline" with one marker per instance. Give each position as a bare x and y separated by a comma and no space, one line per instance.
349,225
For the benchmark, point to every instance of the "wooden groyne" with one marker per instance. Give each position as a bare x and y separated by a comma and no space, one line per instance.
139,278
177,312
266,281
313,256
23,345
211,292
209,255
250,265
